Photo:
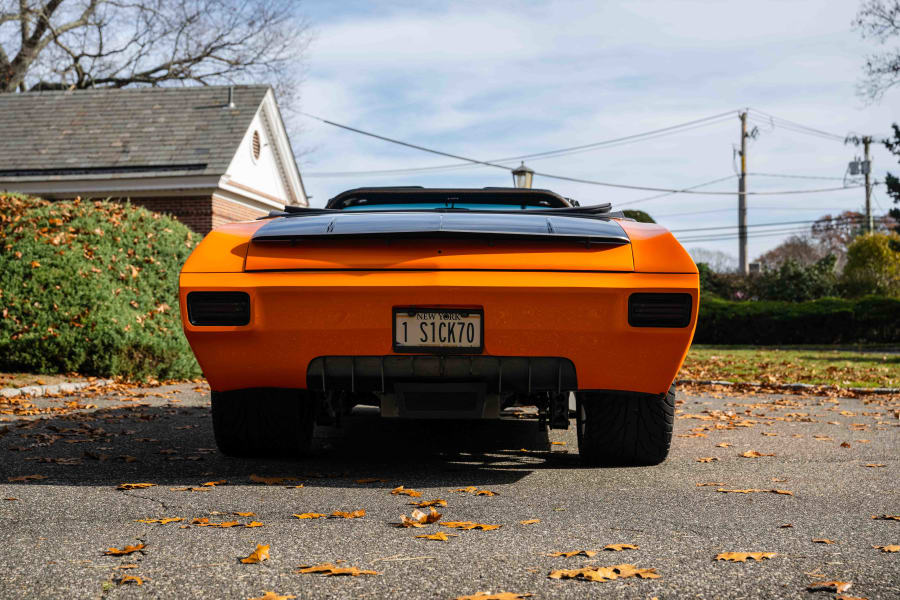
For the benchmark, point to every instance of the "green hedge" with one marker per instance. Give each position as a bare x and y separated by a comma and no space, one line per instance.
91,287
823,321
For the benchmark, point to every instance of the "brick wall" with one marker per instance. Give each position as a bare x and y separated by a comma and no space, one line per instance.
194,211
225,211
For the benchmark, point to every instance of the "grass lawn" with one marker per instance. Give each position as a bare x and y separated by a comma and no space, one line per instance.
875,366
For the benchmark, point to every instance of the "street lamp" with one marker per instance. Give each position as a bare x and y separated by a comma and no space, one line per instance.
522,176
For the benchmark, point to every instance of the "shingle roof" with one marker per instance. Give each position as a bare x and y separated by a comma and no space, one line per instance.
123,132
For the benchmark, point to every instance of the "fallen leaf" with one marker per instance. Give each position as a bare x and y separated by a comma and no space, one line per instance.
190,489
712,483
558,443
486,493
244,514
874,465
723,445
402,491
891,548
743,556
786,525
356,514
26,478
845,444
594,573
268,480
253,524
588,553
829,586
270,595
162,521
706,459
467,525
823,541
331,570
754,454
135,486
419,518
529,522
214,483
886,517
125,550
755,491
427,503
371,480
469,489
131,579
492,596
311,516
620,547
257,556
11,499
440,536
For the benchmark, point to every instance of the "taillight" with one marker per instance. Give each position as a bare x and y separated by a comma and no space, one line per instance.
659,310
218,308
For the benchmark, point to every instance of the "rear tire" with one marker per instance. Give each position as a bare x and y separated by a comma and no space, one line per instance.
624,428
263,422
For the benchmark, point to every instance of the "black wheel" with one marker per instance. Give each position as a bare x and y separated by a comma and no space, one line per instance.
624,428
263,422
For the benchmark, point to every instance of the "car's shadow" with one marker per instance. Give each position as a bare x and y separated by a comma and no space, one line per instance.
173,445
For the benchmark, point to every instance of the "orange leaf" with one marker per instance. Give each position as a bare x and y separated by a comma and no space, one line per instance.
402,491
125,550
311,516
270,595
253,524
35,264
134,486
486,493
440,536
467,525
356,514
529,522
492,596
588,553
469,489
823,541
162,521
712,483
26,478
620,547
257,556
891,548
131,579
886,517
268,480
754,454
743,556
706,459
331,570
829,586
723,445
594,573
244,514
874,465
427,503
214,483
371,480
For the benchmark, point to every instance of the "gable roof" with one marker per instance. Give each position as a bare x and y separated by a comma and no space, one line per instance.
124,133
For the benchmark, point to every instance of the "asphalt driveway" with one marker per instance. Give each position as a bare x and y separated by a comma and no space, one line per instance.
55,528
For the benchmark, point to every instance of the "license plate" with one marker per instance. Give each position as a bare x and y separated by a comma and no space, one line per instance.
438,330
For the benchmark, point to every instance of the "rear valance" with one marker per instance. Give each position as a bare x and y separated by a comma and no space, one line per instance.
433,225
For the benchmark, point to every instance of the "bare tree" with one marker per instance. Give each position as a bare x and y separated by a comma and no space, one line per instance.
799,248
718,261
75,44
880,20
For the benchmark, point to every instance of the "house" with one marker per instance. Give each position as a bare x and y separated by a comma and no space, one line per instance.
206,155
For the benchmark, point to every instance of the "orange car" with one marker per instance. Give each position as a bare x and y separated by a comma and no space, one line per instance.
442,303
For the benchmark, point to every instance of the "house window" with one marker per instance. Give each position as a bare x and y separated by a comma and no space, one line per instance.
256,146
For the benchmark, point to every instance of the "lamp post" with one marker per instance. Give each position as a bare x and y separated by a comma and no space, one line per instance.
522,176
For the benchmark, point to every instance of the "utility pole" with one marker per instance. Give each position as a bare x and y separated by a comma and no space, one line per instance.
867,170
742,200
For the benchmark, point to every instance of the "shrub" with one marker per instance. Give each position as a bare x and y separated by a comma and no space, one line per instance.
91,287
796,282
823,321
873,265
638,215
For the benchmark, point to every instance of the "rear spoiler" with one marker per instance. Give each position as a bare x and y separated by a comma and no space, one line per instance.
578,224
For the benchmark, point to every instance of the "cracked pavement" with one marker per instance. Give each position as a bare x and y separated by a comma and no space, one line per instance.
55,531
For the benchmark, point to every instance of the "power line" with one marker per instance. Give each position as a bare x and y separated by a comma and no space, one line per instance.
564,177
775,224
798,127
787,176
655,196
611,143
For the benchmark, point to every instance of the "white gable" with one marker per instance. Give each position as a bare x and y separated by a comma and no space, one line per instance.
263,167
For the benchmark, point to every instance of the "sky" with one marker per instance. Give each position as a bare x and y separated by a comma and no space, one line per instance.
491,80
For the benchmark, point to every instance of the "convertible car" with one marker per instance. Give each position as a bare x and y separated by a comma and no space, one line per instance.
442,303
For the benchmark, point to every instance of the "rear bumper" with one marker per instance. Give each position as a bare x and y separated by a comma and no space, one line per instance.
297,317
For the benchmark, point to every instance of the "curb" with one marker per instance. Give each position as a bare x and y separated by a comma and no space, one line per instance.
789,386
35,391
